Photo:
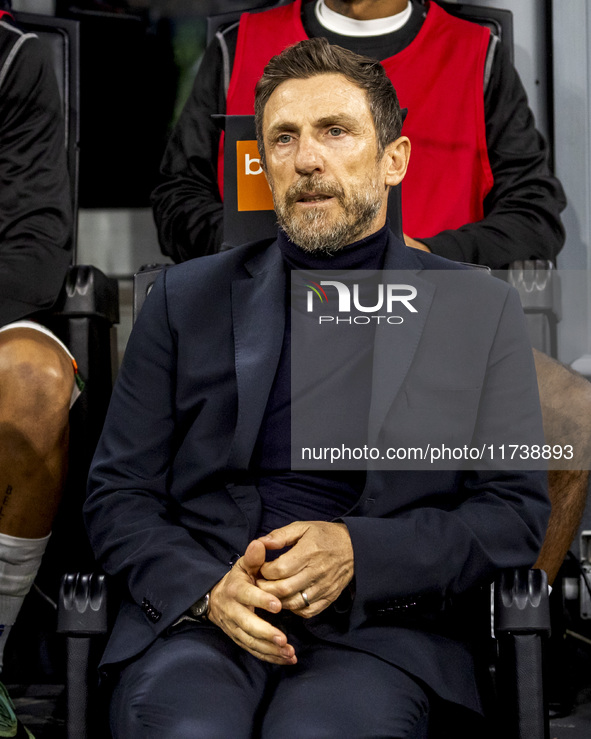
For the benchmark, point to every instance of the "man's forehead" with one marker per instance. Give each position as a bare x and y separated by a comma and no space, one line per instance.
316,98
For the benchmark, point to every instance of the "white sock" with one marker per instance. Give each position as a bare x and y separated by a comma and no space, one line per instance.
19,562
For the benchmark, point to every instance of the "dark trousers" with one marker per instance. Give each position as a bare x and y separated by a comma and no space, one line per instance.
195,683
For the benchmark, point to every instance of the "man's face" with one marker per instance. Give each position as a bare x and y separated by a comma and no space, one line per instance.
328,185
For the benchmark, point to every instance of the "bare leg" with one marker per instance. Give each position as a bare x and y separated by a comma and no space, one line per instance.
36,380
565,397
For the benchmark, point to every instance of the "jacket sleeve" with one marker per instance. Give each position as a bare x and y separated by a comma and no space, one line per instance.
522,211
129,514
498,516
186,202
35,208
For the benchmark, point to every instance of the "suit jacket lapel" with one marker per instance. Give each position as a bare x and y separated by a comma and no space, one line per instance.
395,346
258,314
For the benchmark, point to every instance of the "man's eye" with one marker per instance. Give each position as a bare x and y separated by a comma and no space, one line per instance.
284,138
335,131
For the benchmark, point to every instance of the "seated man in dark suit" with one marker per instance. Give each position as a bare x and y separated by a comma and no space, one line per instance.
265,601
504,203
37,372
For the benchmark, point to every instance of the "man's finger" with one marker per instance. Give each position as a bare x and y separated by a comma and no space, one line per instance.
318,596
258,636
263,648
250,597
256,628
284,588
289,565
285,536
314,609
252,632
255,597
253,558
273,658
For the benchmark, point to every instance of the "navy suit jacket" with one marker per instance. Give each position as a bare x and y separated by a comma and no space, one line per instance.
170,507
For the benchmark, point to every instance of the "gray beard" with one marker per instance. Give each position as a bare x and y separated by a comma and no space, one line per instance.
317,233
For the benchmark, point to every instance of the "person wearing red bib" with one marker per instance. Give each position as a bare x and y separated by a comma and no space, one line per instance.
455,79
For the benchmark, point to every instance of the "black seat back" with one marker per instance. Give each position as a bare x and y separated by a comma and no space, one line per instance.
62,39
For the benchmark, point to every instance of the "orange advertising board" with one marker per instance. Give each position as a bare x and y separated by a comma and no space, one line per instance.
253,191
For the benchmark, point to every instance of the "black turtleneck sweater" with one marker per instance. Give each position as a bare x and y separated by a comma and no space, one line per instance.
298,495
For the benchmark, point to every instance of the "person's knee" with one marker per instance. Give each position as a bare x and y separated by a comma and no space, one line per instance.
156,719
337,692
36,375
145,725
370,728
162,693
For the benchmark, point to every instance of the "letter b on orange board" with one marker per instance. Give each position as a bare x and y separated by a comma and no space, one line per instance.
253,191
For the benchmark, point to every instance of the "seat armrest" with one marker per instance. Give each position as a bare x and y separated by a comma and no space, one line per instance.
522,625
82,619
521,603
538,285
82,605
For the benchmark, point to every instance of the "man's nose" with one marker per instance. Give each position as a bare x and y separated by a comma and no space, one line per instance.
308,156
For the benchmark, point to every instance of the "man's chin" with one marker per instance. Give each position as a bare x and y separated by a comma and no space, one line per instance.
314,240
315,231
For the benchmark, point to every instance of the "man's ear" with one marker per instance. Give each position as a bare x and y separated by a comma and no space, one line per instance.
397,155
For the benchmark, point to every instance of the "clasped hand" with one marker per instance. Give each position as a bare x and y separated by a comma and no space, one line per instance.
319,562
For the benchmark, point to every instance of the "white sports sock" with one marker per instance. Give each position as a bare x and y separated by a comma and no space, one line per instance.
19,562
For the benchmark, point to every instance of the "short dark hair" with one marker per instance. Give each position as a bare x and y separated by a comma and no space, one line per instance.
317,56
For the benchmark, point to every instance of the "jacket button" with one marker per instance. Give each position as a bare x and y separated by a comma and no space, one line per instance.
235,557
